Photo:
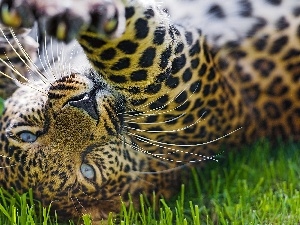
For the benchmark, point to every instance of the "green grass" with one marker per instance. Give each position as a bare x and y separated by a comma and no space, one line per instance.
1,105
258,185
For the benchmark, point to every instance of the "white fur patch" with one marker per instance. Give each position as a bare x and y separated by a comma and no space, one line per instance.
233,26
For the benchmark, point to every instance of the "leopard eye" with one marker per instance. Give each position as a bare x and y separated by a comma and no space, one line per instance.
87,171
27,136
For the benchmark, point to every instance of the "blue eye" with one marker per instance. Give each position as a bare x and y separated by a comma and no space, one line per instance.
28,137
87,171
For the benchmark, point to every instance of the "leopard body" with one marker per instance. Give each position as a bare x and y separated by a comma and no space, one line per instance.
159,96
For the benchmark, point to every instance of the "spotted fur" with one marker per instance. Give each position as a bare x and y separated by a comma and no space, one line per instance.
158,95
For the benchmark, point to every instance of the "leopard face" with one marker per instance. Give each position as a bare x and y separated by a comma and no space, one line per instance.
70,147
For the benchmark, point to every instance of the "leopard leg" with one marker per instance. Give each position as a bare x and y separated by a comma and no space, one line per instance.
114,35
66,21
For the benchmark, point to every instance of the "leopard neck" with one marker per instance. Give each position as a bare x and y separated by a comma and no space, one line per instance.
167,73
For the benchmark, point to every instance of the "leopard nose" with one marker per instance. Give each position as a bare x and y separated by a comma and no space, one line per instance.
88,104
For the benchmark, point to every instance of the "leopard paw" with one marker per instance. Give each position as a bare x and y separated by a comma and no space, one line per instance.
17,14
66,19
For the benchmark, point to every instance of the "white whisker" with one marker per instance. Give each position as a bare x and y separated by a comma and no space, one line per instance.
7,157
19,56
128,113
145,114
80,204
74,205
152,110
46,57
5,167
87,194
40,59
162,122
150,141
168,131
31,66
53,60
203,157
13,69
138,148
19,82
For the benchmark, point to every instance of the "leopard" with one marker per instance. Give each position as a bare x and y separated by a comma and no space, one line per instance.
165,86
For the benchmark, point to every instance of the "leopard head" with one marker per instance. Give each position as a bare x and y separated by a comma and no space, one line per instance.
66,140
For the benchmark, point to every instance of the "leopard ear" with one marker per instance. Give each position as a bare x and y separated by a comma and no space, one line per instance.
15,49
